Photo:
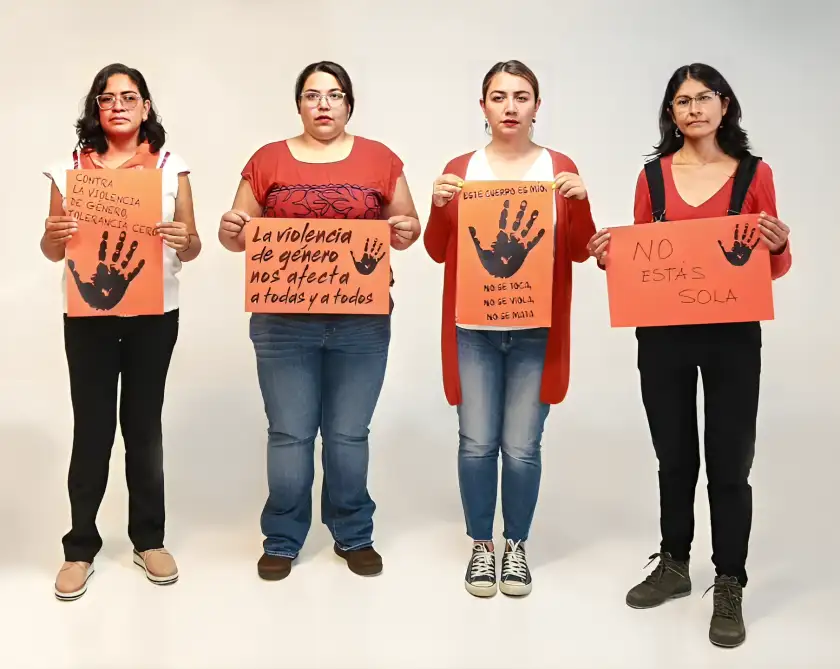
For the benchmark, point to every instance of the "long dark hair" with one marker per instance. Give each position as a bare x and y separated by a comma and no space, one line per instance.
341,76
731,137
89,130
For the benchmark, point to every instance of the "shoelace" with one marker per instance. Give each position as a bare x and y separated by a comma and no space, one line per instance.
666,563
727,597
482,562
514,563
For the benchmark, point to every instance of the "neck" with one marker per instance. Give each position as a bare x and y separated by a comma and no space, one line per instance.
702,151
510,147
122,146
316,143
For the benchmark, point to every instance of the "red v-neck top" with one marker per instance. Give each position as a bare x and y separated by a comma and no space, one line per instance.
761,196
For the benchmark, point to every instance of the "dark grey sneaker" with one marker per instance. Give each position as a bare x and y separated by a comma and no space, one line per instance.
669,580
516,577
480,579
727,626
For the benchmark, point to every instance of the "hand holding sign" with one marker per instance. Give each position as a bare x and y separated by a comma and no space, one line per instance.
680,273
505,271
108,283
773,232
509,250
121,208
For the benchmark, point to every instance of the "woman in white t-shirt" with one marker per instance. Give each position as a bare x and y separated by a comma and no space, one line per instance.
119,129
503,380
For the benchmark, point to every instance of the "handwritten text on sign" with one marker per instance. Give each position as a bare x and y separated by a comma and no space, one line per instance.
114,263
317,266
505,254
713,270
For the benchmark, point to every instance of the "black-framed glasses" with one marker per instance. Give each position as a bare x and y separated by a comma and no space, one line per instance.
313,98
128,100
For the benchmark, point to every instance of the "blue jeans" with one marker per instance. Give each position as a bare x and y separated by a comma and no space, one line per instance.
501,375
319,372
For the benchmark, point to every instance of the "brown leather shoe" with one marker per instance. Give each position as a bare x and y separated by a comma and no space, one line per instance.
274,567
364,562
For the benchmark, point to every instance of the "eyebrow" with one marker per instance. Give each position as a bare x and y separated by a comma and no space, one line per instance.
515,92
332,90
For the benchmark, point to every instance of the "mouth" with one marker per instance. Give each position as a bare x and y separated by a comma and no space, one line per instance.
510,123
693,123
323,118
119,119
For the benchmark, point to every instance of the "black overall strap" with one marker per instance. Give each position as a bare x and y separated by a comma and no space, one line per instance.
656,188
743,178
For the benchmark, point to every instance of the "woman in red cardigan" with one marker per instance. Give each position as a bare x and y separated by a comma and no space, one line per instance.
503,380
699,164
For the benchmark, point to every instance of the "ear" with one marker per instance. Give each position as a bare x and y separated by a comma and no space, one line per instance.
724,105
147,106
537,105
481,104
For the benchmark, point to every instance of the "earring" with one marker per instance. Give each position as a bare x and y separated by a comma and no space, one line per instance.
676,132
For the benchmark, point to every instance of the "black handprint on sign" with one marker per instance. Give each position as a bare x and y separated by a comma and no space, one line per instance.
741,249
108,283
369,260
507,253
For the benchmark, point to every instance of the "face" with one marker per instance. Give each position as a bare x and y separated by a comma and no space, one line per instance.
697,110
510,105
121,107
323,107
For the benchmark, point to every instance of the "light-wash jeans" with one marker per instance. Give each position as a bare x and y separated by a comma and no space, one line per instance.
319,372
501,375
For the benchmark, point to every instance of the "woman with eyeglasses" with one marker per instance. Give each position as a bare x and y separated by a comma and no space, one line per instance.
504,380
321,372
703,168
120,129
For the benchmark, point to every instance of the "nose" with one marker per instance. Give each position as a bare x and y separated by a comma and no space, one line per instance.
323,103
510,107
119,105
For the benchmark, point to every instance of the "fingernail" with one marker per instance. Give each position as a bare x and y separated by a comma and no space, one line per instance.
553,186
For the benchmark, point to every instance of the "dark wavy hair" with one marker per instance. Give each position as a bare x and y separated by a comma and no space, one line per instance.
341,76
89,130
514,67
731,137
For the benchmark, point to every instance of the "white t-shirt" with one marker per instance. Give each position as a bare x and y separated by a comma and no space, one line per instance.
479,169
172,166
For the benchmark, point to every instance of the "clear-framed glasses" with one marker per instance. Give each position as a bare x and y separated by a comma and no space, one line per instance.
683,102
128,100
313,98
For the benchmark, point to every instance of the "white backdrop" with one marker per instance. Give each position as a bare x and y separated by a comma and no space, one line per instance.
222,76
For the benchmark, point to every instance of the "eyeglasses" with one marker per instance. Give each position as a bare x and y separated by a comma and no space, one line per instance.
128,100
683,103
313,99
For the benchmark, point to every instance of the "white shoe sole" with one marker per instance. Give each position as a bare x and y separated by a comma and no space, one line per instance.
157,580
73,596
515,589
481,590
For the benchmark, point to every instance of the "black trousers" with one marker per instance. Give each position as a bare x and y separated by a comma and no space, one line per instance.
728,357
100,351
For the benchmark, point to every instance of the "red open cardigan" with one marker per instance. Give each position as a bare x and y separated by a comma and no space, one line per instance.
573,231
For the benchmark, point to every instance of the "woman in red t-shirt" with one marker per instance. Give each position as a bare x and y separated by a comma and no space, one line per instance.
504,380
701,147
321,371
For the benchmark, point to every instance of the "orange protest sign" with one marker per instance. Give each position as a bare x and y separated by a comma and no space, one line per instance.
326,266
114,263
712,270
505,254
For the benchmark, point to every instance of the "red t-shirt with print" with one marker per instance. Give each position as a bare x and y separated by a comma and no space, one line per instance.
359,186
